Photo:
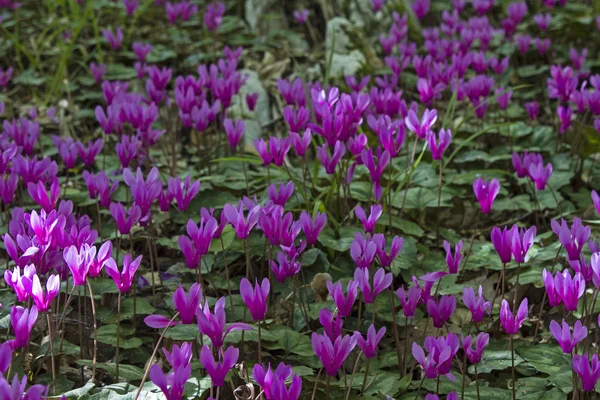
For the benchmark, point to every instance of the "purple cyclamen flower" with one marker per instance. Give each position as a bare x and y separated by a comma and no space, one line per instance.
512,323
422,127
554,297
242,225
88,154
123,279
436,147
589,375
439,360
362,251
273,151
79,260
14,278
279,196
183,192
312,227
40,196
533,109
370,222
332,325
98,71
563,336
272,383
386,259
543,20
409,301
125,219
34,288
173,384
251,100
540,174
16,389
453,262
287,267
131,6
521,242
301,143
22,321
141,50
179,356
477,305
301,16
213,15
474,355
234,132
486,192
523,41
562,83
596,201
565,113
573,239
213,324
441,310
218,370
344,304
114,39
255,297
332,354
376,170
369,345
516,11
330,162
570,289
420,8
144,192
381,281
186,304
503,97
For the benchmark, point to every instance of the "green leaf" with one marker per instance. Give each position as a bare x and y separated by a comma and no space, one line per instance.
496,361
291,342
76,393
108,334
129,372
546,358
195,388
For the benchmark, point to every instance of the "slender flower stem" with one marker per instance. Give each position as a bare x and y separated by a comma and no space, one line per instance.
314,388
407,324
118,334
62,318
358,320
437,229
80,329
364,384
246,178
248,266
327,377
512,359
517,286
545,295
95,330
259,344
227,275
162,335
476,381
51,352
349,388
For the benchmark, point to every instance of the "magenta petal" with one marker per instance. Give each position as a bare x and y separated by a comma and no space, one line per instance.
158,321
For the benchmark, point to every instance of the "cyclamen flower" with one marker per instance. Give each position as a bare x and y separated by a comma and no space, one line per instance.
533,109
441,352
369,345
34,288
125,219
332,354
565,113
234,132
370,222
98,71
409,301
332,325
589,375
270,381
343,303
242,225
441,310
521,242
512,323
218,370
173,384
213,324
255,297
474,355
114,39
386,259
301,143
477,305
312,227
563,336
79,260
13,278
183,192
362,251
453,262
376,170
437,148
422,127
279,196
572,239
16,389
123,279
570,289
186,304
213,15
381,281
40,196
22,321
273,151
543,20
486,192
301,16
330,162
420,8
